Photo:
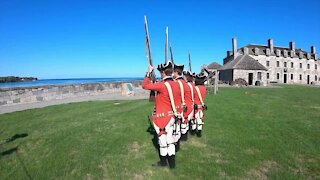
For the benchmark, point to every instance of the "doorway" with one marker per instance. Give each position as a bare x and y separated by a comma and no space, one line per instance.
250,78
308,79
285,78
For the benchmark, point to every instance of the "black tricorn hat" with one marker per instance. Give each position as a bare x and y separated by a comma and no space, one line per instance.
178,66
200,79
162,67
187,73
201,76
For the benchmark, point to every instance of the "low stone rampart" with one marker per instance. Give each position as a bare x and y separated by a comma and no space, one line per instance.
21,95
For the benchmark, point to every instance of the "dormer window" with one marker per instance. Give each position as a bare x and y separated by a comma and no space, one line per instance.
308,56
256,51
285,53
268,52
300,55
291,54
278,52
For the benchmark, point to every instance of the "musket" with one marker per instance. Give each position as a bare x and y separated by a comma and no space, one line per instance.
189,61
166,45
171,54
148,46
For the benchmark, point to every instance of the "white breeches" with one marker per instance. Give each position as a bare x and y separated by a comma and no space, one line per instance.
176,132
185,126
197,125
166,140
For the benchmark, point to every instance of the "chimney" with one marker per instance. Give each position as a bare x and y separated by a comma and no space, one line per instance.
270,43
245,50
313,50
292,46
234,47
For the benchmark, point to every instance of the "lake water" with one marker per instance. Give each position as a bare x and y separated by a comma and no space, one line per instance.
43,82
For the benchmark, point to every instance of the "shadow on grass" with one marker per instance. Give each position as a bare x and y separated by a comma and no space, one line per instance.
14,137
15,150
154,134
9,151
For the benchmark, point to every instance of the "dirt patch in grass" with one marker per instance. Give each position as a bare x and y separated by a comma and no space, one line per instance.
301,166
263,170
250,93
315,107
196,142
135,146
104,167
217,157
252,151
89,177
138,177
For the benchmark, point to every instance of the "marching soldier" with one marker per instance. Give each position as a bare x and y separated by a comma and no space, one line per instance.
199,106
189,100
180,103
165,111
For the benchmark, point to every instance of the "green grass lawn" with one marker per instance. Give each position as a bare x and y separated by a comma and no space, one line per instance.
250,133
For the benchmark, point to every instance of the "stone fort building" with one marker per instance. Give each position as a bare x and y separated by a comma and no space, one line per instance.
264,64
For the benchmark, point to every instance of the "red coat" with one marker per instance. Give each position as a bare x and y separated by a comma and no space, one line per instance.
188,99
203,92
164,110
178,97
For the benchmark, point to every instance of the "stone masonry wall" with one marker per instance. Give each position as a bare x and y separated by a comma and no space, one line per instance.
292,72
11,96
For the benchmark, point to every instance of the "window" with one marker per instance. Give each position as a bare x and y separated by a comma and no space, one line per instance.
267,75
315,67
285,64
259,75
308,66
291,64
268,63
291,76
300,76
315,78
278,63
278,76
300,65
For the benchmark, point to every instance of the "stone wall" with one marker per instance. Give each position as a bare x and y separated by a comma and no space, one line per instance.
11,96
244,74
226,75
292,73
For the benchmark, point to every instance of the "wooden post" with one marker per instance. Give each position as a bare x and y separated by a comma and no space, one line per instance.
216,81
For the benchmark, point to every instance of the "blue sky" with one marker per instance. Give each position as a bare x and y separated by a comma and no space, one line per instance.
99,38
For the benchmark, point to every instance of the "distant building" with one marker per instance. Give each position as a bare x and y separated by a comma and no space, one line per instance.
210,71
265,64
213,66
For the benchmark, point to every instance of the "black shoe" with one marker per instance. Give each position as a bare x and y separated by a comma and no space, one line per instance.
184,137
199,133
192,132
177,146
172,161
162,162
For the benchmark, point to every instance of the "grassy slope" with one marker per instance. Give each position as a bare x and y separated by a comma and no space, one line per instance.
249,133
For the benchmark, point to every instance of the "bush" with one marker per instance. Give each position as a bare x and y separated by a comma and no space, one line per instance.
239,82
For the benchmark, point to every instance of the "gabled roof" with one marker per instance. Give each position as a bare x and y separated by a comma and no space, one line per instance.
244,62
214,65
